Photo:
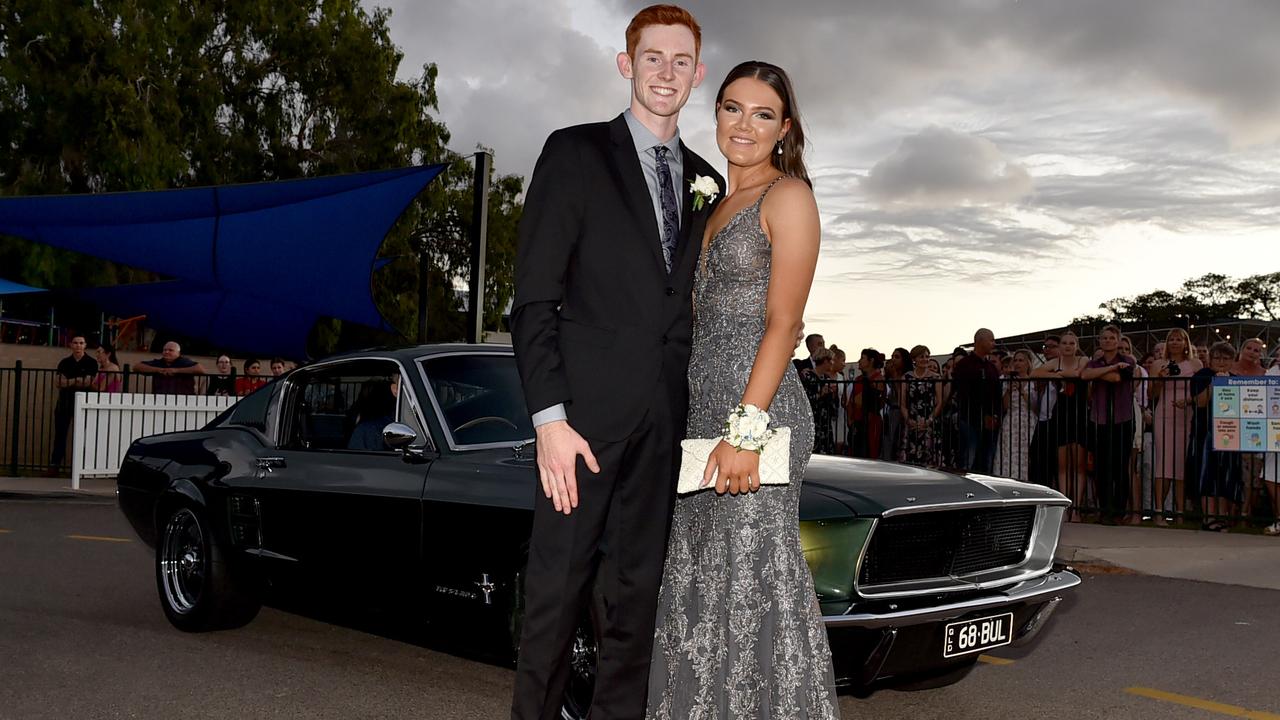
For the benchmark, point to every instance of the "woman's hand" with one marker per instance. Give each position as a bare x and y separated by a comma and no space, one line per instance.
735,471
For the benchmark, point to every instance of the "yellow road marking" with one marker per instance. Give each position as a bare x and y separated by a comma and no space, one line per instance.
993,660
99,538
1195,702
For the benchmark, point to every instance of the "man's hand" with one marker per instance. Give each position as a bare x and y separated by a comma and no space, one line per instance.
558,449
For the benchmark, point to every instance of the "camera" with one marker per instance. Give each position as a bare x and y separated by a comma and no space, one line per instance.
1174,368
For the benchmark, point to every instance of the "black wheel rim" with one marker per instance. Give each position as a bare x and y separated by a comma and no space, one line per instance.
182,566
582,675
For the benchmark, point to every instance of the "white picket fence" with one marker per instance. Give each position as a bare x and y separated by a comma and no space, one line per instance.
105,424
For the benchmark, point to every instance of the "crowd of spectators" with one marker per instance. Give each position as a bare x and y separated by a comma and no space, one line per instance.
1125,436
170,374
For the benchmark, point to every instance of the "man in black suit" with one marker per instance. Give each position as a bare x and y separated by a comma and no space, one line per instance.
813,342
601,324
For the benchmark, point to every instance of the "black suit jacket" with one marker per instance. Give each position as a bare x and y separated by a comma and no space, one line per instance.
597,320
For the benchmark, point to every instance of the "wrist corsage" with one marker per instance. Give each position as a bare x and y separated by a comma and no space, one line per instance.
747,428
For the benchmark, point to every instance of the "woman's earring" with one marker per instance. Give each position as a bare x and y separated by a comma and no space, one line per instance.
779,148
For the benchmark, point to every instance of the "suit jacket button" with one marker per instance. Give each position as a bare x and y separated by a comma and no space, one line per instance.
664,339
671,291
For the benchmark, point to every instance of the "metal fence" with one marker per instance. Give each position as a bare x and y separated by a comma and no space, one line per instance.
1123,452
1119,455
35,414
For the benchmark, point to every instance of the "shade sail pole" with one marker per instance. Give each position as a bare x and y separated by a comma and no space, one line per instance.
479,236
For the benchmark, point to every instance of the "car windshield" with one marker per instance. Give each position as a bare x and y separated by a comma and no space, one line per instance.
479,397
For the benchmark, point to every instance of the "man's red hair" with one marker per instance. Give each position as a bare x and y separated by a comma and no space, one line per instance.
662,15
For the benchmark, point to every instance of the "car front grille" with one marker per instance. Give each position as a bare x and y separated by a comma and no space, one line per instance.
946,543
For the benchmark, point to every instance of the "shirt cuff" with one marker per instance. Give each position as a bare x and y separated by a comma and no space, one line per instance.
548,415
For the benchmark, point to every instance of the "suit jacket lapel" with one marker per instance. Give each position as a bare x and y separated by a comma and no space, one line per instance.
635,190
692,222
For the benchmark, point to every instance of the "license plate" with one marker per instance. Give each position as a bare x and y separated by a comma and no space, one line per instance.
971,636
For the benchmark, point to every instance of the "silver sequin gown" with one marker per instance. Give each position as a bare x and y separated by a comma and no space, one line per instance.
739,633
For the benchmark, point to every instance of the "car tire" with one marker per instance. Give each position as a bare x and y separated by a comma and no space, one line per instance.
197,587
940,679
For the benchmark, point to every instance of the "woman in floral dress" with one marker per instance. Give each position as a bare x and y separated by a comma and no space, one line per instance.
920,409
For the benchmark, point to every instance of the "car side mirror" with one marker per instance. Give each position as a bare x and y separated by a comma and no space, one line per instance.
401,437
398,436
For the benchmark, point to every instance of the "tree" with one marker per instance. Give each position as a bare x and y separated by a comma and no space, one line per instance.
442,232
1208,297
151,94
1260,295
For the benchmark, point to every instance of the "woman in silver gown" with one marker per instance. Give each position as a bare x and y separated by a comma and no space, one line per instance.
739,632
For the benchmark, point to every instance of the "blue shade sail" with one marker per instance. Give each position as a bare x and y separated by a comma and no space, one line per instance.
255,265
12,288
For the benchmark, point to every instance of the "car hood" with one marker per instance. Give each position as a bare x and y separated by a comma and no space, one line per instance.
870,487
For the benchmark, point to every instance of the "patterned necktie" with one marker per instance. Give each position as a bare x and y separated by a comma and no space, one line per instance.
667,199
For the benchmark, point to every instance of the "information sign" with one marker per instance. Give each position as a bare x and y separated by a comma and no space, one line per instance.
1246,414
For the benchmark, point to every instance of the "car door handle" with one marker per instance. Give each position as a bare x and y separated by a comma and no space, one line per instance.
271,463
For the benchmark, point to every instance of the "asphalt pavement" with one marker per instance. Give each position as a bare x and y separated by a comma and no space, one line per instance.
82,636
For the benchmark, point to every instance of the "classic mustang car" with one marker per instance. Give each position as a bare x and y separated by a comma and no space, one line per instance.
408,476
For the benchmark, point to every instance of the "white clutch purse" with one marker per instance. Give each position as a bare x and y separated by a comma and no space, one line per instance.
775,461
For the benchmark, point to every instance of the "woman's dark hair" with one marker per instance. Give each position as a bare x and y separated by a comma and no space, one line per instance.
250,362
906,359
110,350
791,161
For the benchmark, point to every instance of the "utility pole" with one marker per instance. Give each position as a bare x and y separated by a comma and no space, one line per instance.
479,236
423,265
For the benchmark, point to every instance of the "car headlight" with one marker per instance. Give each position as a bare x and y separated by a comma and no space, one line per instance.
832,548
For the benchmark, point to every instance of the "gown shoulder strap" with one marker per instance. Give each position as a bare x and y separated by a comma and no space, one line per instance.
767,188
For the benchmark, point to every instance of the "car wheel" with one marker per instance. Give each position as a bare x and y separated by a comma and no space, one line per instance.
197,589
582,656
582,673
943,678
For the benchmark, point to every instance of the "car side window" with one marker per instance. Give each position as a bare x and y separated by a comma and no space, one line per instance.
251,410
343,406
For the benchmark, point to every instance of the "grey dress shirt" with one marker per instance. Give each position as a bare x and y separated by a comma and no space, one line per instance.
645,142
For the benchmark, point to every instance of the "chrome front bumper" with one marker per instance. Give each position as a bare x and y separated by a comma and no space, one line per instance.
1041,589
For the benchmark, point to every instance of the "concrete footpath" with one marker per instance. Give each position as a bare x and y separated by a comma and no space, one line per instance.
57,487
1225,558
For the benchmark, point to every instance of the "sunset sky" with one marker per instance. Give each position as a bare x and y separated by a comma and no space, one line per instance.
1006,163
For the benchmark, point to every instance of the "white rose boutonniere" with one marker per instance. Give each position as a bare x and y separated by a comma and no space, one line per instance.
704,190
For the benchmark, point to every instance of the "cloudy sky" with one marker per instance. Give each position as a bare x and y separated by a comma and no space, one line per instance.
1006,163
